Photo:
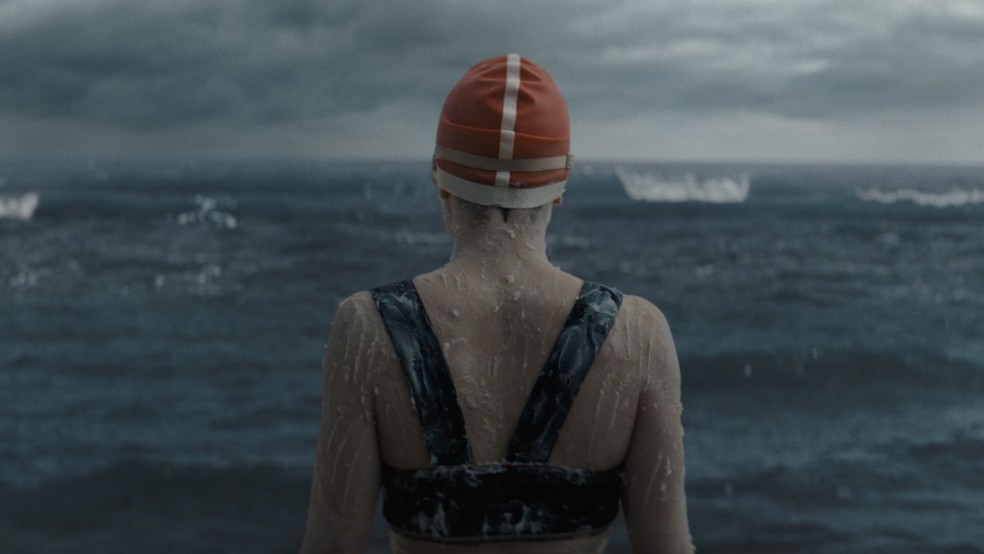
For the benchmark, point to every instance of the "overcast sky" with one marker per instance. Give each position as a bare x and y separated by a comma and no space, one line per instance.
705,80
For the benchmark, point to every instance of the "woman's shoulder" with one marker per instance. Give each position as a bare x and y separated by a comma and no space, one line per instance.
641,310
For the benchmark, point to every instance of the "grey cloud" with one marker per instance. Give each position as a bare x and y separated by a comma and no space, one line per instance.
144,65
150,65
924,62
814,59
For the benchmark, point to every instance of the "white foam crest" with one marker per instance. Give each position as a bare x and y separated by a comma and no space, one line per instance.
954,197
206,213
655,187
19,207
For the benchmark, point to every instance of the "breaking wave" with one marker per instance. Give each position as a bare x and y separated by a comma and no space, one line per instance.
951,198
653,187
19,207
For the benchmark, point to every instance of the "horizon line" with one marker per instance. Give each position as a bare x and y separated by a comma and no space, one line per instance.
248,157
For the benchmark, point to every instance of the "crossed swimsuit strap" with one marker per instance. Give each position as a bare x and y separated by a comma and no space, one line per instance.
563,500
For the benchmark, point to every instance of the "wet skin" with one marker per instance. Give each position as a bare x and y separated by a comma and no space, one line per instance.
497,308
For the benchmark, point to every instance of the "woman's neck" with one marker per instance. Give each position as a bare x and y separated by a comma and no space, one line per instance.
500,248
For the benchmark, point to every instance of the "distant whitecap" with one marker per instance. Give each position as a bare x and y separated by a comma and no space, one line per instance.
655,187
19,207
954,197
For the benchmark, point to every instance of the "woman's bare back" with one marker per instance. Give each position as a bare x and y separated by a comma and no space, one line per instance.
496,332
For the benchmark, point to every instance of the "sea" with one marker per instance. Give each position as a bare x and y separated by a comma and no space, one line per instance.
162,323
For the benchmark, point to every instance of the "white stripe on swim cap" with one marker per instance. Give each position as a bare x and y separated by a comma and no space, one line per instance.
507,131
475,161
506,197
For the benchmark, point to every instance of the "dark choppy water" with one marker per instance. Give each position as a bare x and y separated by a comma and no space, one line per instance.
161,326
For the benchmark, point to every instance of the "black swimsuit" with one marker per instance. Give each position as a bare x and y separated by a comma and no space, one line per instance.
521,498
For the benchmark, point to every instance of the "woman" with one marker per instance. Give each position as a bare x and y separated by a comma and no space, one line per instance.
501,404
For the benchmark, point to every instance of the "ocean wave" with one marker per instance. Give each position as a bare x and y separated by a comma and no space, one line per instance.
962,451
951,198
819,371
400,236
654,187
143,506
568,241
922,480
19,207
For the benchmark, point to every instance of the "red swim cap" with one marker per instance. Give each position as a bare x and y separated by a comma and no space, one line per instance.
504,137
